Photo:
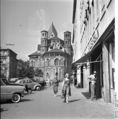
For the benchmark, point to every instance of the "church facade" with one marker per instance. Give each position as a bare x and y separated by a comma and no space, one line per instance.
53,55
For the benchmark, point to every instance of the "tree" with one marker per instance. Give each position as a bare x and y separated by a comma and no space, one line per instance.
38,72
22,72
30,72
22,67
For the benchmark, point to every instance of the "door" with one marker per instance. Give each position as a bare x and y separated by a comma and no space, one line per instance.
99,75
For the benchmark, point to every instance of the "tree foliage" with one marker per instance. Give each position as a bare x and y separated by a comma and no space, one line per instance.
38,72
30,72
23,69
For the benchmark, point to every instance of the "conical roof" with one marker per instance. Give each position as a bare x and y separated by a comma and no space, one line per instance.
52,32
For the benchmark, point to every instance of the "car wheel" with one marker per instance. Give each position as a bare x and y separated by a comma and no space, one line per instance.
16,98
38,88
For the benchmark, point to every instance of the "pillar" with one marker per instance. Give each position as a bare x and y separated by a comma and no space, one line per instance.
106,72
78,75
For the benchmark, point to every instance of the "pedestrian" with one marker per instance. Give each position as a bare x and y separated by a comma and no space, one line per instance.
66,88
62,91
92,79
55,84
48,79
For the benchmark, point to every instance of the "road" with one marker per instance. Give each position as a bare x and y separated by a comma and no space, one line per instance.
43,105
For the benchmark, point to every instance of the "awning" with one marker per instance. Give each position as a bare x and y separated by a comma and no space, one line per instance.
83,59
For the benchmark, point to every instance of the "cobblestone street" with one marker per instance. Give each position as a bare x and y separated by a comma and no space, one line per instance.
43,105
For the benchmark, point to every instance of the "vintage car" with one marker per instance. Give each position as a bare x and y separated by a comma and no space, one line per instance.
10,83
40,80
29,83
11,92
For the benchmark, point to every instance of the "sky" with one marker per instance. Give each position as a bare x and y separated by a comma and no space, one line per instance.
23,20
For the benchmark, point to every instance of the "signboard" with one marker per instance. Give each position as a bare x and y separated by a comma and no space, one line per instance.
93,40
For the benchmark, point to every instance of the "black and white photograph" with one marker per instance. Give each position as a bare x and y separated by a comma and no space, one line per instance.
58,59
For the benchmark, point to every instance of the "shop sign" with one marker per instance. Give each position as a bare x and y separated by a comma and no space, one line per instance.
93,40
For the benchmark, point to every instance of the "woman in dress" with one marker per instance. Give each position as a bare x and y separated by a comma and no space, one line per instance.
66,88
55,84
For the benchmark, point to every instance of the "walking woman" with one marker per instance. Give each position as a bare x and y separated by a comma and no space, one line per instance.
66,88
55,84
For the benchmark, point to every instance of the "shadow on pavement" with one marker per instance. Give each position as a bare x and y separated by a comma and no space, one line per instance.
25,100
70,101
2,109
9,102
86,94
6,102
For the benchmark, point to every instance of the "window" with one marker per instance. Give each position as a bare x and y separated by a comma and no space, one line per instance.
1,61
66,42
56,62
61,62
48,62
30,81
43,34
5,53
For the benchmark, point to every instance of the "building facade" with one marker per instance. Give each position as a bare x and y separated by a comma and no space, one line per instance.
93,37
8,63
53,54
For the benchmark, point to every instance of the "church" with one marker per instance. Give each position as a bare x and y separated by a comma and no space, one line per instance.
53,54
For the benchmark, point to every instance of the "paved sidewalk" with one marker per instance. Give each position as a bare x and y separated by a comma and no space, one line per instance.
43,105
81,103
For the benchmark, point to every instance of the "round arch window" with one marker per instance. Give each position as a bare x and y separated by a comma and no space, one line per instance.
56,62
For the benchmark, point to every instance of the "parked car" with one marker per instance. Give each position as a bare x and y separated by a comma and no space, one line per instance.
11,92
9,83
29,83
40,80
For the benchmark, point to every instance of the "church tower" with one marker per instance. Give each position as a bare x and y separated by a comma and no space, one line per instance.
44,38
52,32
67,42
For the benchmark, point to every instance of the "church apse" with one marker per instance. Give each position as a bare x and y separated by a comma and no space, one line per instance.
54,53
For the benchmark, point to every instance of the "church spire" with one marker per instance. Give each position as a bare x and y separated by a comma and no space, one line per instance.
52,32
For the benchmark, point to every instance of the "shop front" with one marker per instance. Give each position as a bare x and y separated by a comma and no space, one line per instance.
101,59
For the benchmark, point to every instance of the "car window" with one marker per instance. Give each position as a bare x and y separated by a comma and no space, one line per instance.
30,81
1,82
5,81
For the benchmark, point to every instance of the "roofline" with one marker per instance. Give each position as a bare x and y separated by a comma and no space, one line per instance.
44,31
55,52
34,55
55,38
8,50
67,32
